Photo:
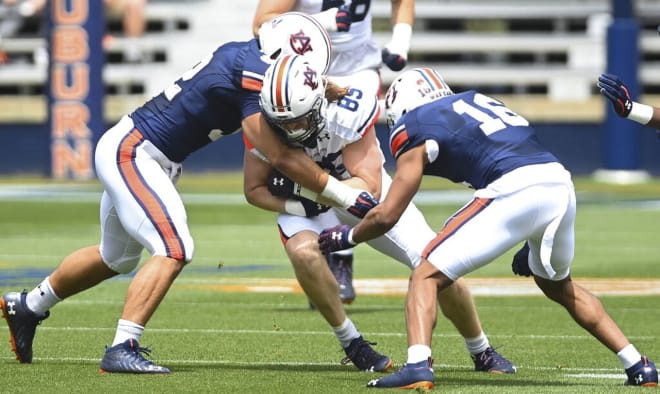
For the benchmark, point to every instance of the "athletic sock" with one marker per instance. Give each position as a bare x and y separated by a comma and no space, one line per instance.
346,332
127,330
417,353
629,356
42,297
477,344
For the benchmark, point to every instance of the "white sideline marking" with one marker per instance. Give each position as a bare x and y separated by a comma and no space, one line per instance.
72,192
438,366
324,333
598,376
75,192
398,286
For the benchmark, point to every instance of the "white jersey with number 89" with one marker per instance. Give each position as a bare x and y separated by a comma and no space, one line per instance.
354,50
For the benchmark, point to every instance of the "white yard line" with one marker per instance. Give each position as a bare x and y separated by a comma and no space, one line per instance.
398,286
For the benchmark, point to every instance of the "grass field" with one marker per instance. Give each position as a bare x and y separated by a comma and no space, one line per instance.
235,322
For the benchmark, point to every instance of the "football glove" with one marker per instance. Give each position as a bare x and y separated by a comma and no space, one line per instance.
344,18
363,204
520,264
280,185
312,208
614,90
395,52
335,238
393,61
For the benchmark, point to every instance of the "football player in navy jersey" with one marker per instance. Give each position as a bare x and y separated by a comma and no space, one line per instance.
138,162
336,127
522,194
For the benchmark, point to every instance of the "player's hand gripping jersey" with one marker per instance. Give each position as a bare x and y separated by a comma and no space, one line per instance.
470,137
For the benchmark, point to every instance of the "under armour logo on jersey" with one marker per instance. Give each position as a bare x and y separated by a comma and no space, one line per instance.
311,79
278,181
300,43
10,308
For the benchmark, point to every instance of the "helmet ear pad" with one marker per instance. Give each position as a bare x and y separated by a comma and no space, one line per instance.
412,89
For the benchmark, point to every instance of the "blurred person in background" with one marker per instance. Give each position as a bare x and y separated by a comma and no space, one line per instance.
356,56
356,59
133,20
131,13
15,16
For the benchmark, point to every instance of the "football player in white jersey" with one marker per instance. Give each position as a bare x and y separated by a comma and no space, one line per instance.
356,59
335,127
355,53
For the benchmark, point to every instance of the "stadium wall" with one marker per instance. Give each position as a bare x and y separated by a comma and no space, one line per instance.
579,145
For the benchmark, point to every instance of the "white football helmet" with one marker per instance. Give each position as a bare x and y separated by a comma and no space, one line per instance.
411,89
293,100
296,33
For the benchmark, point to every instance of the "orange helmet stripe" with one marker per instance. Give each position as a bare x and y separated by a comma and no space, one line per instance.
280,84
432,78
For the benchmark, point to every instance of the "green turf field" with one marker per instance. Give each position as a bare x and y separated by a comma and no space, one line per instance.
223,339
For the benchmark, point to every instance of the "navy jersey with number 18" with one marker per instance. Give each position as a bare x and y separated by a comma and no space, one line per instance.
472,138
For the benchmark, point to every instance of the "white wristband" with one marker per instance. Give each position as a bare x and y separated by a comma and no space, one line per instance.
339,192
641,113
299,190
400,44
293,207
327,19
350,238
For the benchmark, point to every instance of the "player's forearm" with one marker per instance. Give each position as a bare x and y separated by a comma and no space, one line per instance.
372,226
295,164
403,11
300,168
655,119
316,183
260,197
373,186
267,10
355,183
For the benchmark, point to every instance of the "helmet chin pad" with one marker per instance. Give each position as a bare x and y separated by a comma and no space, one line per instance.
314,123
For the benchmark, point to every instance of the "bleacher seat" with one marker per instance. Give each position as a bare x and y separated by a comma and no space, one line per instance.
546,52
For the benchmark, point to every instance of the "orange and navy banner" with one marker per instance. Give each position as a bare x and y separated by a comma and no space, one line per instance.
75,85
